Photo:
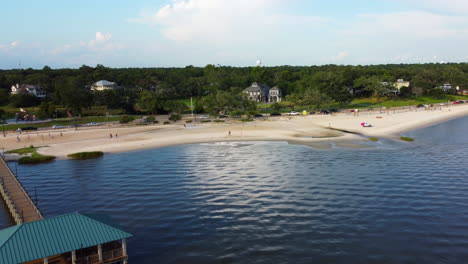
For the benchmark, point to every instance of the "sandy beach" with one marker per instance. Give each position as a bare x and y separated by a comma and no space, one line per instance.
313,130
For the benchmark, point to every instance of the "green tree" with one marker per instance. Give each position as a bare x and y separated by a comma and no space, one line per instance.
149,102
72,94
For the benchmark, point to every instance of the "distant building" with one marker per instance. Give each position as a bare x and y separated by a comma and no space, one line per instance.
447,87
262,93
400,83
35,90
103,85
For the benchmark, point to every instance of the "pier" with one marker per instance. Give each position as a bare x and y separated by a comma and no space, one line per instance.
19,203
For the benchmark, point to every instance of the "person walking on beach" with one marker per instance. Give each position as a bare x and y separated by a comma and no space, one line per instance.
116,135
229,133
110,135
18,139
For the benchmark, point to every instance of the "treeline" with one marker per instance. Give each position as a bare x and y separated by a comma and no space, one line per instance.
155,89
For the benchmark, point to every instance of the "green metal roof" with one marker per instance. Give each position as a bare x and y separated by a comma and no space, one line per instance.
53,236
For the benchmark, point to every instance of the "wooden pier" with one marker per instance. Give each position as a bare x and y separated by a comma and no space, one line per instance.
22,208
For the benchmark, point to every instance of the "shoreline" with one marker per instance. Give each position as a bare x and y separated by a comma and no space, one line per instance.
312,130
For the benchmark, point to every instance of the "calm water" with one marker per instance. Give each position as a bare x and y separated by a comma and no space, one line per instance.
270,202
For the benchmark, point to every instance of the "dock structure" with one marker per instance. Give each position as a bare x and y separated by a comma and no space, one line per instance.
20,205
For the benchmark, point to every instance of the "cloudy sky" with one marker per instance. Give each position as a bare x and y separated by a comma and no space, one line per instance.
176,33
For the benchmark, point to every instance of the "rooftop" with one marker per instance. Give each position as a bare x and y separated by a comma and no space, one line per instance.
54,236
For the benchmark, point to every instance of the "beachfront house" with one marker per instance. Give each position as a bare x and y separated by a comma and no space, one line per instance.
400,83
274,95
103,85
34,90
72,238
262,93
447,87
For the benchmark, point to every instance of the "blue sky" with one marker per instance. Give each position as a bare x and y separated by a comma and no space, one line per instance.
176,33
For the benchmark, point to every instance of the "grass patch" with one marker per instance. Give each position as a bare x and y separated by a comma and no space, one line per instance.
407,139
373,139
86,155
23,151
36,158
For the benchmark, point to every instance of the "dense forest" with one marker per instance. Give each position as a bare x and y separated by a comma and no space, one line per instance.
219,88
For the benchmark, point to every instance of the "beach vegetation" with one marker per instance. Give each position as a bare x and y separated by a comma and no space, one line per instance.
205,121
23,151
175,117
166,122
188,121
86,155
150,119
125,119
36,158
373,139
407,138
32,156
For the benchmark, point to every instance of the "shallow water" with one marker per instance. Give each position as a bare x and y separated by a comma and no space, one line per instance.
270,202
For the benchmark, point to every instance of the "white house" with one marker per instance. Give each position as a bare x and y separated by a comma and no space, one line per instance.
35,90
447,87
103,85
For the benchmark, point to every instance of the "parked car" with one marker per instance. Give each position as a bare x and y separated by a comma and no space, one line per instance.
461,102
420,105
325,112
29,128
292,113
275,114
258,115
203,117
223,116
57,127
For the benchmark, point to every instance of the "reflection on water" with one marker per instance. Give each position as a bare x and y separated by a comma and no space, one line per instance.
270,202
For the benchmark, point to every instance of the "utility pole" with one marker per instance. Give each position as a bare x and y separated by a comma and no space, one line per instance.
191,105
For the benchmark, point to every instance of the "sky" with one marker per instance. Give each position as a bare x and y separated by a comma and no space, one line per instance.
177,33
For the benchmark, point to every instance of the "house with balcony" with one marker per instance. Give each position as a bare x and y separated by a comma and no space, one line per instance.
262,93
71,238
34,90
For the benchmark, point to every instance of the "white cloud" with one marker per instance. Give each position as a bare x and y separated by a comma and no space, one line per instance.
452,6
10,46
410,24
101,43
224,21
338,58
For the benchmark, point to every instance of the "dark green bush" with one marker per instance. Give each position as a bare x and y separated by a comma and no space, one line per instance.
86,155
36,158
166,122
126,119
175,117
407,138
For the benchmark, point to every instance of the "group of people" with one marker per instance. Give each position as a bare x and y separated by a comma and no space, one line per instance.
116,136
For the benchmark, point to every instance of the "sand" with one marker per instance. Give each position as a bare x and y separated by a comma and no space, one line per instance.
313,130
